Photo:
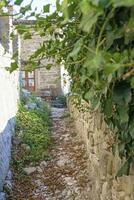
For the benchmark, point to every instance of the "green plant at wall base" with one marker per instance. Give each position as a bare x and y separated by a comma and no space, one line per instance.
95,41
33,130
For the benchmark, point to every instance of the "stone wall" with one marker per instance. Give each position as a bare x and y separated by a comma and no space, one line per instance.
103,165
48,79
9,96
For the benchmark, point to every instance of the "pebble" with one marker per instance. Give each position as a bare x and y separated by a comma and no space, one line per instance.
39,169
29,170
43,164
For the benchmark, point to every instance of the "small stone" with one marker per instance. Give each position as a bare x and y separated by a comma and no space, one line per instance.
61,163
38,182
69,181
39,169
43,164
30,170
64,193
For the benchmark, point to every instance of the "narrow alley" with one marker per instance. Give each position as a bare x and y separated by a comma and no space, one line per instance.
65,175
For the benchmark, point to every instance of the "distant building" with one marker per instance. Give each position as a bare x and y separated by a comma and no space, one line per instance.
40,81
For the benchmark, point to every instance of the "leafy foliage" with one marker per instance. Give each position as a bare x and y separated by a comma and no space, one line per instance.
95,41
33,129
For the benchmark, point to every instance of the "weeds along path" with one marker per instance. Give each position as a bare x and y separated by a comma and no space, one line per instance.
65,175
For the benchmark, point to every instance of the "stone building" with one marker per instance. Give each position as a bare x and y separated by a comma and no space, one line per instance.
41,80
9,96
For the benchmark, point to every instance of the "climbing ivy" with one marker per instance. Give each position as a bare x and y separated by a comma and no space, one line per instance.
94,39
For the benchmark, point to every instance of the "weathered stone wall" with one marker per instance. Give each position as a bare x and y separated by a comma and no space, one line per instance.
44,79
49,79
9,96
103,165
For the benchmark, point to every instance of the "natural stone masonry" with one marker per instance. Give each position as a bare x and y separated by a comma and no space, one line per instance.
103,165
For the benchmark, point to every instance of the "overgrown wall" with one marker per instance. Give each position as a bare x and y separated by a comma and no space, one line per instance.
103,165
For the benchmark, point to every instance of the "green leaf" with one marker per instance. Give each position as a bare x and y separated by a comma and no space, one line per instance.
25,9
122,94
77,48
31,66
46,8
93,98
111,36
21,28
124,170
18,2
132,149
123,114
90,15
65,9
119,3
58,6
129,29
121,148
132,82
131,128
103,3
2,4
27,35
108,107
111,68
88,95
85,6
83,79
93,64
13,67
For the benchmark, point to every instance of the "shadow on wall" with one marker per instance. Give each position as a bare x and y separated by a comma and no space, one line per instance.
5,150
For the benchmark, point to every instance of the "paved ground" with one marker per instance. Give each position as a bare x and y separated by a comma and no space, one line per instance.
65,176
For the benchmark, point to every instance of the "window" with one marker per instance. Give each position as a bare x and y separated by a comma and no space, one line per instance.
28,80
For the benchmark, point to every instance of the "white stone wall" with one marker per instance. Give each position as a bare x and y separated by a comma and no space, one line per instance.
9,95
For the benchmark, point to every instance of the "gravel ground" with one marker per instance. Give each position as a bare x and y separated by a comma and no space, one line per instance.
65,175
